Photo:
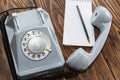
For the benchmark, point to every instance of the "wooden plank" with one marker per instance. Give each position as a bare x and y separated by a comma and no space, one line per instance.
5,73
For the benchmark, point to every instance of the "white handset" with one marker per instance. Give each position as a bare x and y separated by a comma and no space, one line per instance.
80,59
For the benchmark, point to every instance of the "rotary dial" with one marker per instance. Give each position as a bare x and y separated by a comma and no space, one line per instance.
36,45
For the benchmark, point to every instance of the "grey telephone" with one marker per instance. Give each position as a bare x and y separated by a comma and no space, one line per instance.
80,59
34,46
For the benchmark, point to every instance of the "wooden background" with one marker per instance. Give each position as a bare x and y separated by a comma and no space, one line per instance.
105,67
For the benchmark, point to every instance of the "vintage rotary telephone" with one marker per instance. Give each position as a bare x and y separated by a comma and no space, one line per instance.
31,40
33,44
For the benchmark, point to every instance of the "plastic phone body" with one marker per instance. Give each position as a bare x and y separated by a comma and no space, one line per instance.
33,25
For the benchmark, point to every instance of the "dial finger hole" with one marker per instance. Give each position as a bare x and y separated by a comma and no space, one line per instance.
28,35
25,39
24,44
43,53
33,56
25,50
39,32
28,53
38,56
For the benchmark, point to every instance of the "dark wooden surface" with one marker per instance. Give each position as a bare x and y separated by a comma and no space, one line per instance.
105,67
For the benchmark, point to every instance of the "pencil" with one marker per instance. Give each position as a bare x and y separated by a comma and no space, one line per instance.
83,23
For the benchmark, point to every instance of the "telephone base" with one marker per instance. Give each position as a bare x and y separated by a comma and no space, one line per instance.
43,61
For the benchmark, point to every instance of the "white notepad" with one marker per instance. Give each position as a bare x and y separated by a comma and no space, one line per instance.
74,34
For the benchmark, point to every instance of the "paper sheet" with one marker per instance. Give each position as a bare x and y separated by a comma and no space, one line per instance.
74,33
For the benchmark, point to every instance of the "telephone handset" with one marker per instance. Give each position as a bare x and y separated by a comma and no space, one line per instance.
33,44
80,59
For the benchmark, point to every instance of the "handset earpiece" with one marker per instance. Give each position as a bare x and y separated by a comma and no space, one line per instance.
80,59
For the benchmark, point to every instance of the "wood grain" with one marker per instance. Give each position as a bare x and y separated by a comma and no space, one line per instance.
105,67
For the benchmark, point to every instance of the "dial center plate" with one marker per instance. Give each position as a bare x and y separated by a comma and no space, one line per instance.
36,45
